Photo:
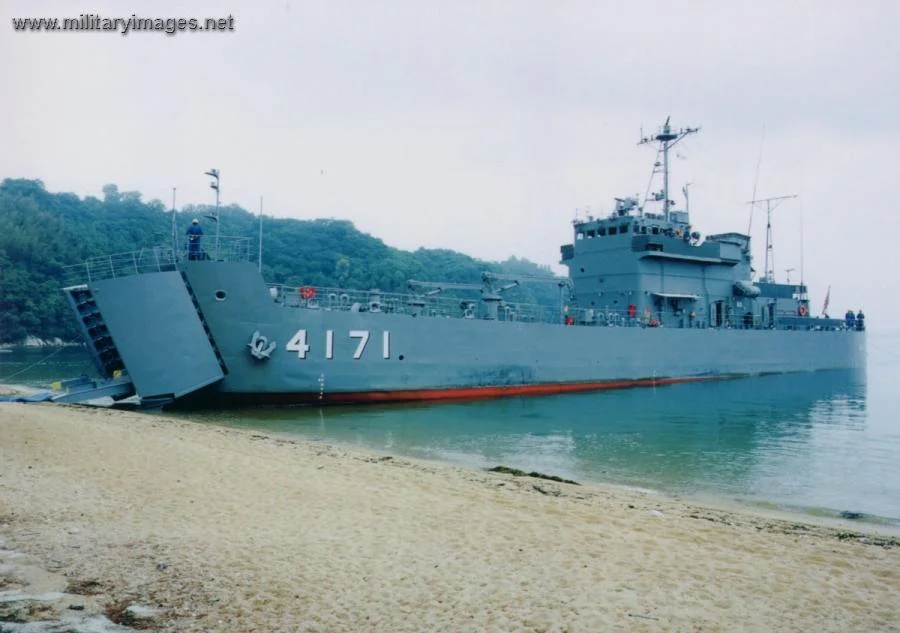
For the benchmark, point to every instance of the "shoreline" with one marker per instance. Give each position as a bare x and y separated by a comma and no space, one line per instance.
762,507
216,528
766,508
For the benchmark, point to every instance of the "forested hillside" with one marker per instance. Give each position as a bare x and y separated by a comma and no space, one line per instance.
41,232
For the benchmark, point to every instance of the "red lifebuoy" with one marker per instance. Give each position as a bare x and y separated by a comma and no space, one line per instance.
307,293
632,310
802,310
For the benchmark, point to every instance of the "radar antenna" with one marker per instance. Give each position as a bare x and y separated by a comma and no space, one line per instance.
667,139
769,275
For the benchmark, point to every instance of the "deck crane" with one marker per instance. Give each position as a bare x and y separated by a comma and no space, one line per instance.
564,283
490,293
490,288
417,300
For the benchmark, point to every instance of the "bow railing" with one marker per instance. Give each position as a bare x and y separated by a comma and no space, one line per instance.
156,259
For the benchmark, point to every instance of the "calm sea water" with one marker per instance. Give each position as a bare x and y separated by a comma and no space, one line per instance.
821,442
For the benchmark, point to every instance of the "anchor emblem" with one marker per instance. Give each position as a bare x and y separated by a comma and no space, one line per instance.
260,347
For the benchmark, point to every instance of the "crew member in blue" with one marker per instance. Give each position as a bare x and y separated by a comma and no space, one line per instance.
860,321
194,233
850,319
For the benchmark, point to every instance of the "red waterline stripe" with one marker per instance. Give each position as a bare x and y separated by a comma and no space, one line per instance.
460,393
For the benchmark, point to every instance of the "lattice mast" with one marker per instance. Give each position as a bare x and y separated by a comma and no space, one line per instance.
667,139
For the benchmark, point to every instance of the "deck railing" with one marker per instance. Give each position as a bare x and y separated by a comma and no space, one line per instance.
240,249
334,299
442,306
156,259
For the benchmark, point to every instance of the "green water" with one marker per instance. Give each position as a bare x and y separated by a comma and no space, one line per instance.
40,366
821,442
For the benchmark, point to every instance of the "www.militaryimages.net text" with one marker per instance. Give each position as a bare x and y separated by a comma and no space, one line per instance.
93,22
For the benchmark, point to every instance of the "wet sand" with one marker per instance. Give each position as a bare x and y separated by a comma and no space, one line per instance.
229,530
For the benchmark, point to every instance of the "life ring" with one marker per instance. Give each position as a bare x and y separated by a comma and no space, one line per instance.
802,310
632,310
307,292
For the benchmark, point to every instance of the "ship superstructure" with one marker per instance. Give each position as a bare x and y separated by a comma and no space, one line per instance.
657,268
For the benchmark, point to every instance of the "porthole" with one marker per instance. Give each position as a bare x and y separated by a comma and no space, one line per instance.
400,357
220,295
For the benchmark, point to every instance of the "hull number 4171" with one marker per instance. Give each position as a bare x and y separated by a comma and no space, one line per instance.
299,344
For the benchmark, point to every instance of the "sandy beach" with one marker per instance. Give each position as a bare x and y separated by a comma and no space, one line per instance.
216,529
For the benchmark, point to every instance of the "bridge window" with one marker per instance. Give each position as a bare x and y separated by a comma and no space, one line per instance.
590,234
623,228
612,230
655,230
644,230
601,231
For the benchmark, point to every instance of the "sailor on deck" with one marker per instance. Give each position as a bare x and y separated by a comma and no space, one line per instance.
194,233
860,321
850,319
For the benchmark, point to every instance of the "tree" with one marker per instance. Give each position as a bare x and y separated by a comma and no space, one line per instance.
42,232
110,193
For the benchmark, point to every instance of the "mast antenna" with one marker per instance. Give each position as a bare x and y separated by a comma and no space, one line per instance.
801,244
260,232
667,139
214,173
687,198
771,205
174,229
762,136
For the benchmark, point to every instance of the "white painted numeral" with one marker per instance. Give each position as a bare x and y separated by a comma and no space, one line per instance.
363,336
298,344
329,344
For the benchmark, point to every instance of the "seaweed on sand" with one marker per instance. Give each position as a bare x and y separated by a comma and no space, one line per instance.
515,472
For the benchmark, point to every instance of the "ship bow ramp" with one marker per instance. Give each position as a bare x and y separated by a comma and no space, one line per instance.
150,327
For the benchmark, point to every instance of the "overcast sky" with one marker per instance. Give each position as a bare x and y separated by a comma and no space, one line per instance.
482,125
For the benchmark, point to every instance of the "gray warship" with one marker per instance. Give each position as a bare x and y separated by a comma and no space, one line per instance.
648,301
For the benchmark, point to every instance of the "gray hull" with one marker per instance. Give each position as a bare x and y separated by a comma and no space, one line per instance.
188,334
